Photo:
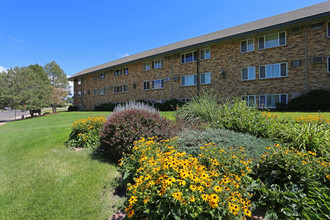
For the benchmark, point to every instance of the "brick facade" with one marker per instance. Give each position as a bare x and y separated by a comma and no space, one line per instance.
225,66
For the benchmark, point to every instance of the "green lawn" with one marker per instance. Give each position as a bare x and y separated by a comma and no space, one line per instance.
42,179
283,115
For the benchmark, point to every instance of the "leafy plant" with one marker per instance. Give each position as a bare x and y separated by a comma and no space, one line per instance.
169,184
293,184
125,126
85,132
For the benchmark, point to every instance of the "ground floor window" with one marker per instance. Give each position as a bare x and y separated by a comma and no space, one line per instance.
270,101
250,100
328,65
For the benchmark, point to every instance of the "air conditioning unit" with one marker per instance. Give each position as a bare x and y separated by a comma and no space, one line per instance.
296,94
296,63
295,30
315,60
167,79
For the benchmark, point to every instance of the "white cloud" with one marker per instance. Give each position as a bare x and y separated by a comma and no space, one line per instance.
124,55
3,69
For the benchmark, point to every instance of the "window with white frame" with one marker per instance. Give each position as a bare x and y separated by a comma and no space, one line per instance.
156,64
328,67
117,89
95,92
157,84
273,40
101,76
248,73
270,101
125,88
118,72
205,78
84,93
247,45
125,70
101,91
250,100
273,71
188,57
79,81
189,80
328,29
205,54
146,85
146,66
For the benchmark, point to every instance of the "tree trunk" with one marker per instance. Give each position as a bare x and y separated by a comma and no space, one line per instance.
54,108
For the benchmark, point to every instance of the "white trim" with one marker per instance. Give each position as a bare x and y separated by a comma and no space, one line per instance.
248,73
328,29
287,74
200,53
147,63
247,40
144,86
248,101
328,66
278,40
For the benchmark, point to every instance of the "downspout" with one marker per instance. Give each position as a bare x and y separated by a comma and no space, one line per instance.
198,74
306,61
172,79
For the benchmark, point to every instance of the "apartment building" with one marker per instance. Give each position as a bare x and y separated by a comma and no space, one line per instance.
264,62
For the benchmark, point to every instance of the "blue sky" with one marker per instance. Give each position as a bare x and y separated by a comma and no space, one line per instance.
82,34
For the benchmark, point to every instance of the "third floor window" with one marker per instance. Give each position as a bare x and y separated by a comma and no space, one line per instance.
273,40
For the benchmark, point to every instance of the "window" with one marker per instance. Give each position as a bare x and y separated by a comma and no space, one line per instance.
95,77
117,89
101,91
205,54
328,29
189,80
250,100
79,93
273,71
317,25
247,45
189,57
273,40
95,91
126,88
146,85
328,65
117,72
157,84
79,82
102,76
249,73
125,70
146,66
84,93
156,64
205,78
82,80
269,101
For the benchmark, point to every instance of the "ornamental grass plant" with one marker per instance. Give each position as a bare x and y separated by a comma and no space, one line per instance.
169,184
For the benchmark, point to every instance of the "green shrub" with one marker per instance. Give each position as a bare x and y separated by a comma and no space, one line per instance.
170,105
73,108
105,107
191,140
85,132
314,100
125,126
169,184
293,185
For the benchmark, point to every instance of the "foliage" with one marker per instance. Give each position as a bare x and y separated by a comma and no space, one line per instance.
59,82
190,140
169,184
25,88
124,127
85,132
105,107
170,105
73,108
134,105
293,184
314,100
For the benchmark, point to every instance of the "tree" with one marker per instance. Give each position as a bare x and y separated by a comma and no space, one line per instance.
59,82
26,88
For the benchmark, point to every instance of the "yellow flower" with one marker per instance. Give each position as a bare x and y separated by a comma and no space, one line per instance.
132,200
192,199
204,197
130,214
177,196
217,189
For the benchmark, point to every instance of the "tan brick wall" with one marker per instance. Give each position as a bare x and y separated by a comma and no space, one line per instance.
227,57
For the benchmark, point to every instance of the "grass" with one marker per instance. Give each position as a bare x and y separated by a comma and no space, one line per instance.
283,115
42,179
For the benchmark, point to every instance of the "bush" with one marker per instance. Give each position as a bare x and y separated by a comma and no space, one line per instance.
85,132
190,140
170,105
293,185
73,108
169,184
105,107
124,127
314,100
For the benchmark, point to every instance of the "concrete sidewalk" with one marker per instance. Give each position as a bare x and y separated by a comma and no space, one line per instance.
8,116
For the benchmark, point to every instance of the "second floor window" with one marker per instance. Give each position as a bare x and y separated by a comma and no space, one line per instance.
249,73
328,29
125,88
189,80
157,84
273,71
101,91
156,64
117,89
273,40
205,78
247,45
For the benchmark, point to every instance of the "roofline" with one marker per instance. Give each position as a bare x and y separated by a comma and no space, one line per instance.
211,41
